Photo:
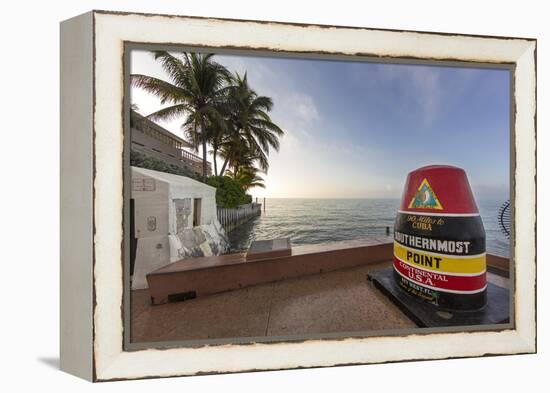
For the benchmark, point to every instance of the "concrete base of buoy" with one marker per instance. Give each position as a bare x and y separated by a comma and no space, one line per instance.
424,314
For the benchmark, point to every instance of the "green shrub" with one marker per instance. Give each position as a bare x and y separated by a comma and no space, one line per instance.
229,193
143,161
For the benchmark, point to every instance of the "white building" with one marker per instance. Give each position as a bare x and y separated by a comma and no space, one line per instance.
171,217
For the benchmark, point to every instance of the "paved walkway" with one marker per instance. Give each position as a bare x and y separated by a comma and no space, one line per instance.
339,301
334,302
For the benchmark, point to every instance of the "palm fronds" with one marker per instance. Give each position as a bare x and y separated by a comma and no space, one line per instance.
218,108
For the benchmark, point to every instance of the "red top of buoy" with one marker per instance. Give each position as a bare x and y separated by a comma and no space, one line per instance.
440,189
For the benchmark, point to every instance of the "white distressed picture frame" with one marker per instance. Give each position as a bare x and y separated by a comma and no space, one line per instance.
92,190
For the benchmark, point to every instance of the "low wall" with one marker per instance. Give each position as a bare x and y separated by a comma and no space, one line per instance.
195,277
202,276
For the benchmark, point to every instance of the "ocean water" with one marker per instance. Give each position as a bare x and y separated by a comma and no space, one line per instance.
314,221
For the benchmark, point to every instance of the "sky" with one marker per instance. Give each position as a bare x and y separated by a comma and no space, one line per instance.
355,129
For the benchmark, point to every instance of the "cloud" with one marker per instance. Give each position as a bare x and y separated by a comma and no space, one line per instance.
317,157
310,162
294,109
427,83
302,107
409,88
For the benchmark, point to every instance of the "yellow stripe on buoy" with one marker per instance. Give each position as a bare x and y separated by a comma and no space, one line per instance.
441,263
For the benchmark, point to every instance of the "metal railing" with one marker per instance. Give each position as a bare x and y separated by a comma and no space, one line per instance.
195,161
187,155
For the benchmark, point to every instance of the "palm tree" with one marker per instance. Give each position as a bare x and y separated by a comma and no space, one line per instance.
215,132
247,177
236,153
198,87
250,130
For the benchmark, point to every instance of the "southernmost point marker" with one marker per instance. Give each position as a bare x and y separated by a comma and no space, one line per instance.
439,240
438,272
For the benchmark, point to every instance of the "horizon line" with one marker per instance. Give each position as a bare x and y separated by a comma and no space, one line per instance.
351,198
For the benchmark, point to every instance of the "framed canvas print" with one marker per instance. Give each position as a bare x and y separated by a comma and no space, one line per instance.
246,195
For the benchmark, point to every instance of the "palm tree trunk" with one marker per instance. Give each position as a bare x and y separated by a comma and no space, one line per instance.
224,166
204,162
215,153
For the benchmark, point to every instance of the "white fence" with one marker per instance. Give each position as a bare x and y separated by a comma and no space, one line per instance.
231,218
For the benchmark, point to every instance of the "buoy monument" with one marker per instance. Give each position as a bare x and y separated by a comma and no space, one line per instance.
439,240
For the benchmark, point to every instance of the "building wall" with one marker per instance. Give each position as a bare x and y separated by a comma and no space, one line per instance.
152,147
207,195
140,138
163,221
151,223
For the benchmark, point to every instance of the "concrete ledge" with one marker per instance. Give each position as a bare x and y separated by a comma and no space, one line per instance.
498,265
195,277
263,249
